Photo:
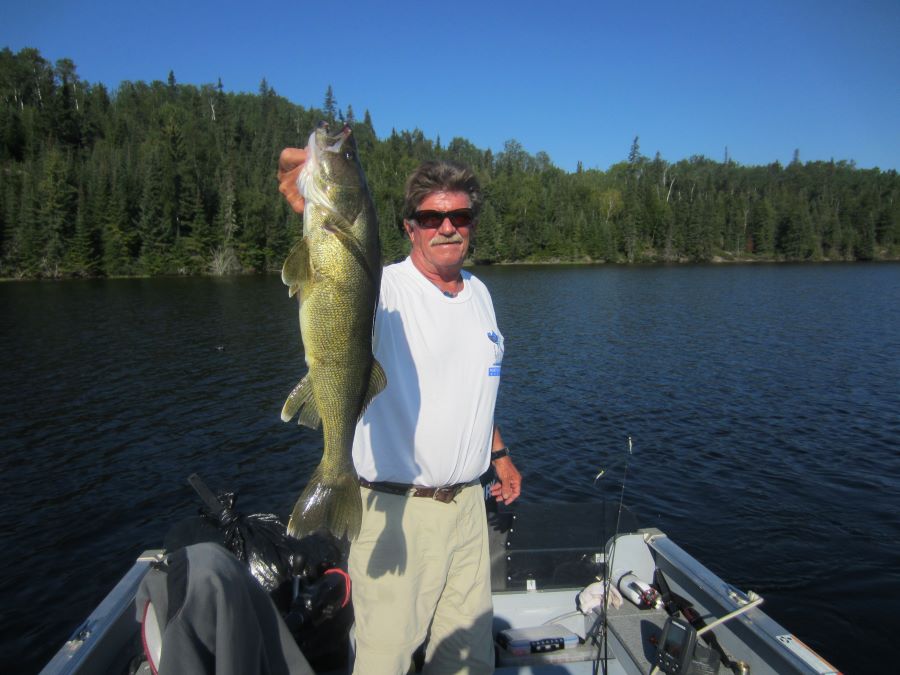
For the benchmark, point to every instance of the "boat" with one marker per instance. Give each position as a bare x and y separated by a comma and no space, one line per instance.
676,616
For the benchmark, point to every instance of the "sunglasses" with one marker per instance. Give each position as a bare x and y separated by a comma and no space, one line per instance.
432,220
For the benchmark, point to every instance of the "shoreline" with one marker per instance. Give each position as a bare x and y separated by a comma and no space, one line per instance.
714,261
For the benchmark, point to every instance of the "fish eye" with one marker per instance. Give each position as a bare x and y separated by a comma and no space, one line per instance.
349,154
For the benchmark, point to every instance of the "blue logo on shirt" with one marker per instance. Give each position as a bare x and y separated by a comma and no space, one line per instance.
497,339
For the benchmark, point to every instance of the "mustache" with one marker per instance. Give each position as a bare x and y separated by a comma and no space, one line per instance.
438,239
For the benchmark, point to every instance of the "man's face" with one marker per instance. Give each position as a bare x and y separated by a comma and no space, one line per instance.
440,250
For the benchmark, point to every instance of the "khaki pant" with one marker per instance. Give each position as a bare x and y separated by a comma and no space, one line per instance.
421,568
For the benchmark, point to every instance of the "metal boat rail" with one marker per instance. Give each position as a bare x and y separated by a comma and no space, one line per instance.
105,641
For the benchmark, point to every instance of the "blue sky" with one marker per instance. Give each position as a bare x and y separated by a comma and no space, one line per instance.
575,79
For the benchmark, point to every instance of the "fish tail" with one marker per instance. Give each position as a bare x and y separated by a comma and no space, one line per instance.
333,504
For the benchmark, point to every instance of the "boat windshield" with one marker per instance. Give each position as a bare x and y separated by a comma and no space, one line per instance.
551,545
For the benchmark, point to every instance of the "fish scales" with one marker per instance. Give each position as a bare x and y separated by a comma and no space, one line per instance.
335,271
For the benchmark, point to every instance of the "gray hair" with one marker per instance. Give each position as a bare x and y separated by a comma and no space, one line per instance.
440,176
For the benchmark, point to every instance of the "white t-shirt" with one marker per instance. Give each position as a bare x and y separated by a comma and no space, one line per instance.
433,423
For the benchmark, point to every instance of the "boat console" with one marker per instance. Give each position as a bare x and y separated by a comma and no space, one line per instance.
672,615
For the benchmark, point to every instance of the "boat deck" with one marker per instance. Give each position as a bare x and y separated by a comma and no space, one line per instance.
536,576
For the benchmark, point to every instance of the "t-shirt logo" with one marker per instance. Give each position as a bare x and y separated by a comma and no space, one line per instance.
497,339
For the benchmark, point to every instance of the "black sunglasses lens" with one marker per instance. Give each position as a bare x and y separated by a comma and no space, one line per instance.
460,218
429,219
434,219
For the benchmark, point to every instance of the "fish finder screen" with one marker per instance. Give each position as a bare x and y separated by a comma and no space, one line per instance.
675,641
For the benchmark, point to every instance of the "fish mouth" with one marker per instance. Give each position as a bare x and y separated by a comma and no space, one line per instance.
319,148
326,142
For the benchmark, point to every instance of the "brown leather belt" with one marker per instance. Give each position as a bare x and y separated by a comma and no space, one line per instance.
444,494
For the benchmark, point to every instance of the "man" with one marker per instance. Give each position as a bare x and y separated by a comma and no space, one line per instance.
420,566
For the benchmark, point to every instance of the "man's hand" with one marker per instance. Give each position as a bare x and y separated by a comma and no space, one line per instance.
509,482
289,165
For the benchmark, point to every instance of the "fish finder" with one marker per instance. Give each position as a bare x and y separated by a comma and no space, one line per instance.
679,652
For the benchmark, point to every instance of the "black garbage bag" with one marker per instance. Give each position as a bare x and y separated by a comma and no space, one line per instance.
306,578
261,541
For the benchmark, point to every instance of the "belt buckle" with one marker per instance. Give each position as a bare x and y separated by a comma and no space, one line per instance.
445,494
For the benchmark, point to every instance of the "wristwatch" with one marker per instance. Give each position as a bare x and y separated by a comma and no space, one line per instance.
497,454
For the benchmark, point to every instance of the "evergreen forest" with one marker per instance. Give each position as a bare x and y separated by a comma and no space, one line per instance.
168,178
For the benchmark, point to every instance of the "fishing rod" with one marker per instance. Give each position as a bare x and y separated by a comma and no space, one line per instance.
607,580
611,595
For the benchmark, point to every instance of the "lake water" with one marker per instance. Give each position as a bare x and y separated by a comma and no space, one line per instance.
764,404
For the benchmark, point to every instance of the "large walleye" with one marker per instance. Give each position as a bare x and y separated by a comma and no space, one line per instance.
335,271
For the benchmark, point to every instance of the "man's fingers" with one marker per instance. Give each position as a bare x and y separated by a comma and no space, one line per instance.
497,492
290,158
288,187
511,491
505,492
297,202
290,163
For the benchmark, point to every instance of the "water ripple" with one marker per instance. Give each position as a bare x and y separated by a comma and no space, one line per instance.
762,402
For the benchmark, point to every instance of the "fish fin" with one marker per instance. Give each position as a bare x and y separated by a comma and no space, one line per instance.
333,505
301,400
295,272
377,383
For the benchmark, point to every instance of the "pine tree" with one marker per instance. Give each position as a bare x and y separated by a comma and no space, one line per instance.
119,238
26,251
488,239
795,236
82,259
224,260
57,199
634,154
152,225
865,241
762,227
330,106
64,105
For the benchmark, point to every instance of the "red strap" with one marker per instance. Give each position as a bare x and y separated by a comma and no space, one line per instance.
147,653
338,570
